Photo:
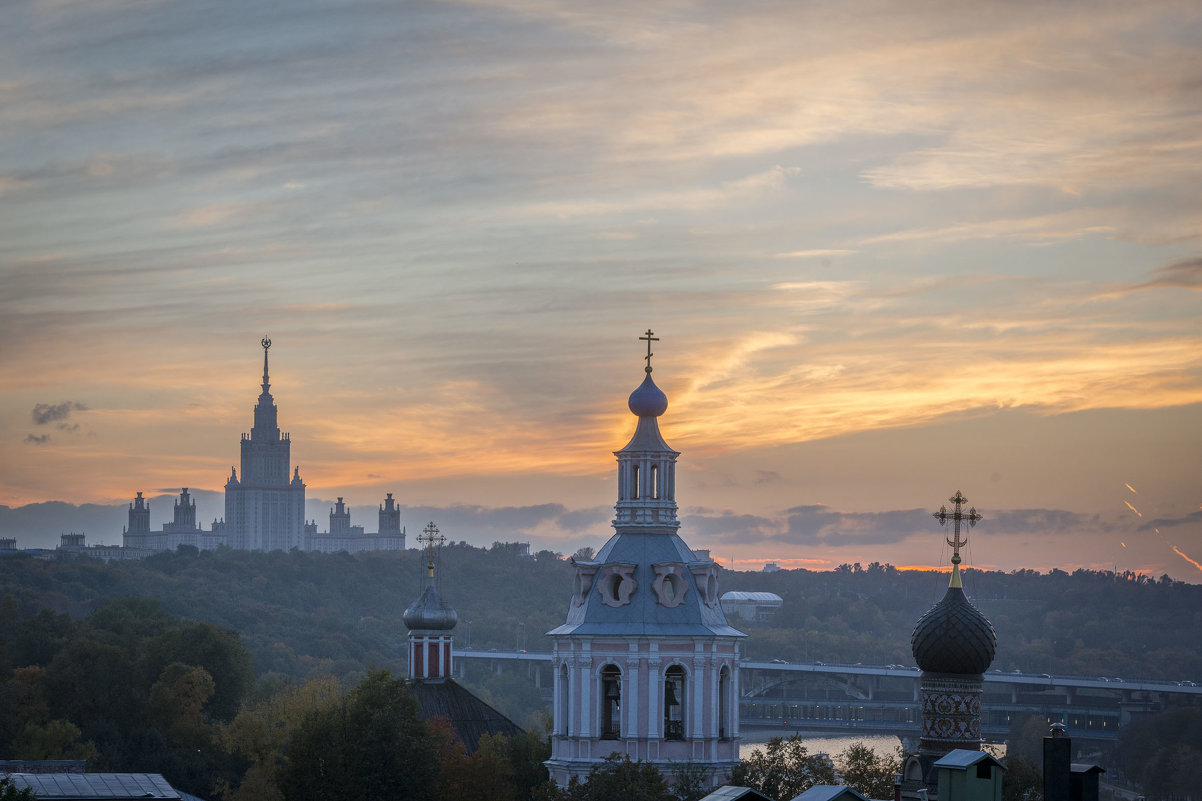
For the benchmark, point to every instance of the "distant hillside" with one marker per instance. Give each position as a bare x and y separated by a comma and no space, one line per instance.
309,614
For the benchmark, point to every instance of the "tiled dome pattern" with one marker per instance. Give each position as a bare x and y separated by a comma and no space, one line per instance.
954,637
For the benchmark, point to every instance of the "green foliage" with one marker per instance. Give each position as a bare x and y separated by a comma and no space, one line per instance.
868,772
54,739
261,732
690,782
370,747
618,778
127,689
783,769
1023,779
9,791
1163,754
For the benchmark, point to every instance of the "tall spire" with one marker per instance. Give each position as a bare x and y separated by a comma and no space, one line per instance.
971,517
266,343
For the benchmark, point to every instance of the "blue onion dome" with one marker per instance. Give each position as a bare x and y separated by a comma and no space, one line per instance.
648,400
430,611
954,637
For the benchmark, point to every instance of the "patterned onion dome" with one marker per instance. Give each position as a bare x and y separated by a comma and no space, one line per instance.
430,612
648,400
953,637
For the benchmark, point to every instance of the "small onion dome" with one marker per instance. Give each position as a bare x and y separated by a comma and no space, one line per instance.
953,637
648,400
430,612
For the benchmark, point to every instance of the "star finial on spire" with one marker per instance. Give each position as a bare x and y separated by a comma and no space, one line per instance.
649,339
957,516
266,343
431,539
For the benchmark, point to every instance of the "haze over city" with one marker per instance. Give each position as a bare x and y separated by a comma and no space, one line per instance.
888,256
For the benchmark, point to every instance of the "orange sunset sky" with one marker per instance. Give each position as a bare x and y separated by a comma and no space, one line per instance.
891,253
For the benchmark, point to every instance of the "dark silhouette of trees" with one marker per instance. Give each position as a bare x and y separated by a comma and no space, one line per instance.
369,747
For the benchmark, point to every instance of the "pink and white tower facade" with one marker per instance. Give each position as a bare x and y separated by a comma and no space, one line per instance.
645,664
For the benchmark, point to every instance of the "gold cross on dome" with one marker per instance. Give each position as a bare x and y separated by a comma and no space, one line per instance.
649,339
430,538
971,517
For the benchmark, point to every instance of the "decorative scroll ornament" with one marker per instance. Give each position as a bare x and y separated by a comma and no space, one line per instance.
582,583
670,584
617,584
706,577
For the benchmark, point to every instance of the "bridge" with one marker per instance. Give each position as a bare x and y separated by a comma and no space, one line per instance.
884,699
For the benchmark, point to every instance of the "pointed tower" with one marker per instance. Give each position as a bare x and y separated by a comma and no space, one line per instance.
184,517
953,645
430,620
646,664
265,510
137,533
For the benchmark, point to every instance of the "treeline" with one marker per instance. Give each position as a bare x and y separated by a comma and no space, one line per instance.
1086,623
306,615
129,689
132,688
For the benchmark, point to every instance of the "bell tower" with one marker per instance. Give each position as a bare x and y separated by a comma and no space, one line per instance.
646,664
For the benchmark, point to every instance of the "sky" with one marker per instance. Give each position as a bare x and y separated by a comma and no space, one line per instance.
890,252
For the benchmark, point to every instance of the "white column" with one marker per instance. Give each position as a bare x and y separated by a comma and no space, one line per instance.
630,703
557,704
586,705
654,704
735,695
698,690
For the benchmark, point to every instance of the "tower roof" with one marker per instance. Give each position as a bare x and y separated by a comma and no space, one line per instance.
430,612
648,400
646,580
953,636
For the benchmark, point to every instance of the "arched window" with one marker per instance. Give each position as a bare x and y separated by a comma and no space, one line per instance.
611,703
634,473
655,482
674,695
724,731
561,711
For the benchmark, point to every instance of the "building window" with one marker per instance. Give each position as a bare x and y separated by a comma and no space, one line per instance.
724,704
674,703
655,482
634,494
611,703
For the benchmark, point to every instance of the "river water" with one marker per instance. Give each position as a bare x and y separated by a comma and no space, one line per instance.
818,743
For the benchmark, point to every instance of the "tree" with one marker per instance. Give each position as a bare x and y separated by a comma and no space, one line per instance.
867,772
218,651
1023,779
690,782
55,739
784,769
260,734
9,791
618,778
370,747
176,703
